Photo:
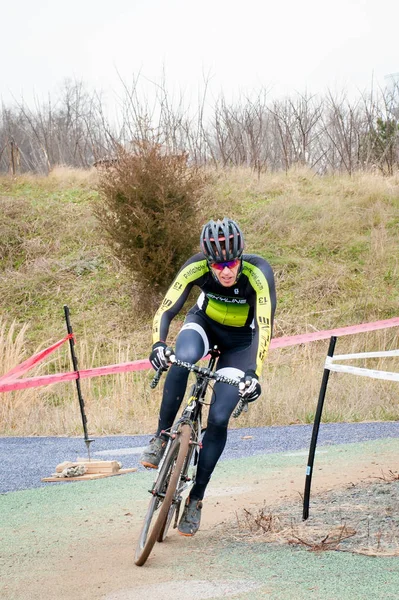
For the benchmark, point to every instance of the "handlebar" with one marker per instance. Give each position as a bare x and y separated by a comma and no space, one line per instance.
205,372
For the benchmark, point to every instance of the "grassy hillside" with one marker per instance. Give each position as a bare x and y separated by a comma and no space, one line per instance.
333,243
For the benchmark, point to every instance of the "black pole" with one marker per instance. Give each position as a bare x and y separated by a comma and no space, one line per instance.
76,369
315,432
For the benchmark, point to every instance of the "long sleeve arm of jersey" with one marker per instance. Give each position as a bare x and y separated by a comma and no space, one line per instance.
262,280
176,296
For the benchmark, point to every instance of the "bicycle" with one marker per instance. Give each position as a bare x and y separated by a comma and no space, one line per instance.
184,444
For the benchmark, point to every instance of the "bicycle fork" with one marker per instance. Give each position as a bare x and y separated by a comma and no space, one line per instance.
185,481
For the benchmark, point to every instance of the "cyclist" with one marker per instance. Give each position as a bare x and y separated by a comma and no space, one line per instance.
235,310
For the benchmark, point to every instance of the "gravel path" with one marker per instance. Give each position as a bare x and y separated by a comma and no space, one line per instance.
26,460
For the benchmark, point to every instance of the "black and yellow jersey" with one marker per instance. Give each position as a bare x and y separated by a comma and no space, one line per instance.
250,303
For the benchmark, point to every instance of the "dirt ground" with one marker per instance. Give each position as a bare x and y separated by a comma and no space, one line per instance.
354,508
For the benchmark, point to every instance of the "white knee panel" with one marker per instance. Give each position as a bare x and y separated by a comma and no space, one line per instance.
200,330
231,372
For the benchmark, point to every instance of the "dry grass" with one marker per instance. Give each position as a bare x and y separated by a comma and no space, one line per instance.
114,404
61,177
278,526
332,241
333,244
22,410
11,345
331,541
390,476
69,177
125,403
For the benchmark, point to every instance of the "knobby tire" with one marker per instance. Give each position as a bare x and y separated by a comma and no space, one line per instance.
168,520
171,462
175,507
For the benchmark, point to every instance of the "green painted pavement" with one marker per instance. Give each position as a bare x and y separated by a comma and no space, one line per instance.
45,521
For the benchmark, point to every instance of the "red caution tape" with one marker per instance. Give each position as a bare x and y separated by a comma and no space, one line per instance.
293,340
10,381
31,382
32,361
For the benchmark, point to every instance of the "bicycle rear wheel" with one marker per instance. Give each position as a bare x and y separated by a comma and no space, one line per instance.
163,495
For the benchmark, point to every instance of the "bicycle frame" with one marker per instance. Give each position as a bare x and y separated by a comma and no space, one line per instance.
173,472
191,415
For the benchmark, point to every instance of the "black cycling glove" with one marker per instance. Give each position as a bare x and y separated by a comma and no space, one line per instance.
249,387
157,357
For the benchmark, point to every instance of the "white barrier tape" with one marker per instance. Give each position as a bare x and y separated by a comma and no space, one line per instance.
373,373
381,354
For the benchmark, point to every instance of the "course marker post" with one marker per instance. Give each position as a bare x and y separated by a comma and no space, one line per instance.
315,432
78,388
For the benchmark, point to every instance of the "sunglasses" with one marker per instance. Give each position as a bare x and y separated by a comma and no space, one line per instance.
230,264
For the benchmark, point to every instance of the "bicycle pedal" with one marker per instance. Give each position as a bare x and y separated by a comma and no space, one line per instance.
192,443
167,434
157,494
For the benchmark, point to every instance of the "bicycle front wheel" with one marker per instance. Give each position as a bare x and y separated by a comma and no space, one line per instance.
163,494
184,484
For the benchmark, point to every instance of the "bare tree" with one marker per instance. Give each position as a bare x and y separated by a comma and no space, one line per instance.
343,129
327,134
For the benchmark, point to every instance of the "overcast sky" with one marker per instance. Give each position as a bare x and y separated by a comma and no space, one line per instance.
239,46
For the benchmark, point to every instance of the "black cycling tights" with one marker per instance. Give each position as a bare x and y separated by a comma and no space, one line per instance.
190,347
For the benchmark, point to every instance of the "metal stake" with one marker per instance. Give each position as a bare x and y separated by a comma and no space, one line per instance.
315,432
76,369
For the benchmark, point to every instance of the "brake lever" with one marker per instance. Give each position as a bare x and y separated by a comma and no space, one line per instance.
156,378
242,406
